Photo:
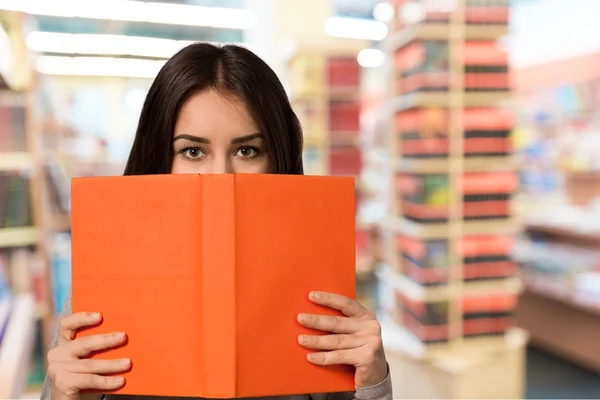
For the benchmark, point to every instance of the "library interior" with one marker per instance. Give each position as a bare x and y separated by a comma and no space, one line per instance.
462,124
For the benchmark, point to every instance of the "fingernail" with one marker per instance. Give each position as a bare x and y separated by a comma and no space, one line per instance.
124,361
120,336
315,295
118,379
312,356
302,317
302,339
95,315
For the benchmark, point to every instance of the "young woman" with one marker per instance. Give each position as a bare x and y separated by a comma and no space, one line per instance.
217,110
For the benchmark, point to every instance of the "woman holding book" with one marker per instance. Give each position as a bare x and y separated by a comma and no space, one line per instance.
216,110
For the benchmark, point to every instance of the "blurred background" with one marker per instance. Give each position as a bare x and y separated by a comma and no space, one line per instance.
472,128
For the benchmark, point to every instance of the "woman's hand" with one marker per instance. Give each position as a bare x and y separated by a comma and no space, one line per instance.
356,338
70,372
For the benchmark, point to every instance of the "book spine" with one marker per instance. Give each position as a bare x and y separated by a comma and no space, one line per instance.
219,287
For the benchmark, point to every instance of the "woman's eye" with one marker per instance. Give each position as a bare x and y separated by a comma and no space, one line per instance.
193,153
247,152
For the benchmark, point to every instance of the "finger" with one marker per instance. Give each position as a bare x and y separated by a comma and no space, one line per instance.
71,383
349,307
329,323
69,325
336,357
100,367
84,346
330,342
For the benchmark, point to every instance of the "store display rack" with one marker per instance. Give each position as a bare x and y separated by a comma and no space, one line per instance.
555,306
451,222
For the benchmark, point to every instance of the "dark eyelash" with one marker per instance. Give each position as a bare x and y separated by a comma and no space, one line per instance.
186,148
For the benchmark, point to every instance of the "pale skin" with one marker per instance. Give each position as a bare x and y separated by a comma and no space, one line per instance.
214,134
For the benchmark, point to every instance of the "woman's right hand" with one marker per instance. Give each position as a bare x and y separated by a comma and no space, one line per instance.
70,371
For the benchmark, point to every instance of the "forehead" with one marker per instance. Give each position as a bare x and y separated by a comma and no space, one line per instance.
211,114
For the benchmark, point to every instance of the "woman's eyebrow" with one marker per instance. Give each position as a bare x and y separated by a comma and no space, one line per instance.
247,138
191,138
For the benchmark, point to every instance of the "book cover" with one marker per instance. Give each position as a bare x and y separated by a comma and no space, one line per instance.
206,274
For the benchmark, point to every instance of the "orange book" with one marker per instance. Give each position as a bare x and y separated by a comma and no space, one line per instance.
206,275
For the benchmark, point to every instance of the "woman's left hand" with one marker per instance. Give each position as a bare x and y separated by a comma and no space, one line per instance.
355,339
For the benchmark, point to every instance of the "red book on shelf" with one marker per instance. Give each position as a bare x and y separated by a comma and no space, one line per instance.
206,275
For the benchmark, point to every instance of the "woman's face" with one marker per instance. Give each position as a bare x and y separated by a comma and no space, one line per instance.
215,134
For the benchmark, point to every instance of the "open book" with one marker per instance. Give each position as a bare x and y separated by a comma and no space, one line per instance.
206,275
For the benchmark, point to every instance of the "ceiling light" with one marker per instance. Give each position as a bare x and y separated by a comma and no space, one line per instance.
412,12
356,28
107,45
383,12
370,58
99,66
114,45
136,11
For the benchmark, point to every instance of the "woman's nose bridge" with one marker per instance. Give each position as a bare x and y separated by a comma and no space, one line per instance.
221,164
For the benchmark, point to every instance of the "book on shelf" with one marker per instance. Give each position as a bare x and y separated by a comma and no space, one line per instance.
12,129
15,200
211,271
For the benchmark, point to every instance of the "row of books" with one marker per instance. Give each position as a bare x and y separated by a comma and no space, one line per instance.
427,262
12,129
15,200
424,66
482,315
426,198
424,132
344,116
477,12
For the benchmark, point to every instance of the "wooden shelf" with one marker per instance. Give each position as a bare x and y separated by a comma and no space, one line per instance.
344,138
442,99
344,93
443,292
399,340
60,222
17,347
15,161
442,32
17,237
471,164
558,327
441,231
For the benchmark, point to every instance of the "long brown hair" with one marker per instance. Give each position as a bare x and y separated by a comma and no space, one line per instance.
232,70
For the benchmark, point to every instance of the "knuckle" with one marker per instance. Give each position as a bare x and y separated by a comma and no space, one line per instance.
370,314
51,356
375,327
377,343
87,364
340,340
62,382
52,371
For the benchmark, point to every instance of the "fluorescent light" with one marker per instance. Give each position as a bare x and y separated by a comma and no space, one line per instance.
413,12
136,11
6,55
99,66
114,45
383,12
107,45
370,58
356,28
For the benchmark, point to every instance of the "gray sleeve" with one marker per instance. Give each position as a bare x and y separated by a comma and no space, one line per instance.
380,391
66,310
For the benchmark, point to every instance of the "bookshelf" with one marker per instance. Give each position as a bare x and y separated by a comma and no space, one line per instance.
451,228
325,94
